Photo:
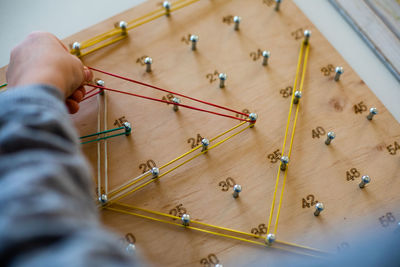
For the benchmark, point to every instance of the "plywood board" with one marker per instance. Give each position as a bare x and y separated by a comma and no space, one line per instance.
161,134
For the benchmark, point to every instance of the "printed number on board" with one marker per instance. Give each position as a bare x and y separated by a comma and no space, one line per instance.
212,77
186,38
147,166
228,183
298,34
228,19
195,141
387,219
178,211
246,111
255,55
286,92
210,261
268,2
119,122
262,229
352,174
168,98
328,70
140,60
308,202
360,107
274,156
392,149
318,132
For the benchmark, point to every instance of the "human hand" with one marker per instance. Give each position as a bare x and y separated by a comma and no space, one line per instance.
42,59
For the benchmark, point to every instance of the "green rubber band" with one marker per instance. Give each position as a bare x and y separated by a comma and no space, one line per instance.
103,132
102,138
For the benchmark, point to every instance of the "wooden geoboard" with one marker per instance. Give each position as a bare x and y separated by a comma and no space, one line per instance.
223,229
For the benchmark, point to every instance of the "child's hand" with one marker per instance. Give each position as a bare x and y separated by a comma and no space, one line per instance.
42,59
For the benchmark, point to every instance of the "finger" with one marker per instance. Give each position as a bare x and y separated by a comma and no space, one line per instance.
78,77
72,105
88,74
77,96
82,89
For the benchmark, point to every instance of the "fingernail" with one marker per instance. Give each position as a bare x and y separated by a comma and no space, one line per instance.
88,74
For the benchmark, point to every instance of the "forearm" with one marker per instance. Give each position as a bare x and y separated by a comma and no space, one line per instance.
45,185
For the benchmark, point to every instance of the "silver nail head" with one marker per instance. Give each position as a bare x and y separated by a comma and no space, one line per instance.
100,83
76,48
236,190
318,208
128,128
123,26
103,199
155,171
131,248
148,61
167,6
364,180
297,96
185,219
266,54
222,79
329,137
270,239
194,39
307,35
252,119
284,162
218,265
205,142
176,100
277,4
372,113
237,20
339,71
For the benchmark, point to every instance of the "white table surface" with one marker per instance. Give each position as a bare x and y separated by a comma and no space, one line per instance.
19,17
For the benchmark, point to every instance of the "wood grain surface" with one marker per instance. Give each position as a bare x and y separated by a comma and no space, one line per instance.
160,134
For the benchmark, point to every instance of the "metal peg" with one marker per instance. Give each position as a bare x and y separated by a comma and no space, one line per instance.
194,39
128,128
266,54
176,100
76,48
185,219
167,6
222,79
297,96
253,118
339,71
123,26
329,137
307,35
236,20
277,5
318,208
284,162
205,142
364,180
148,61
270,239
236,190
155,171
372,113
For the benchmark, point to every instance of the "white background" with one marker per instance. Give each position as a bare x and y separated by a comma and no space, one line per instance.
19,17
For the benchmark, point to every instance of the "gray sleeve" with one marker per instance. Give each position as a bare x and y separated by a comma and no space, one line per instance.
47,212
